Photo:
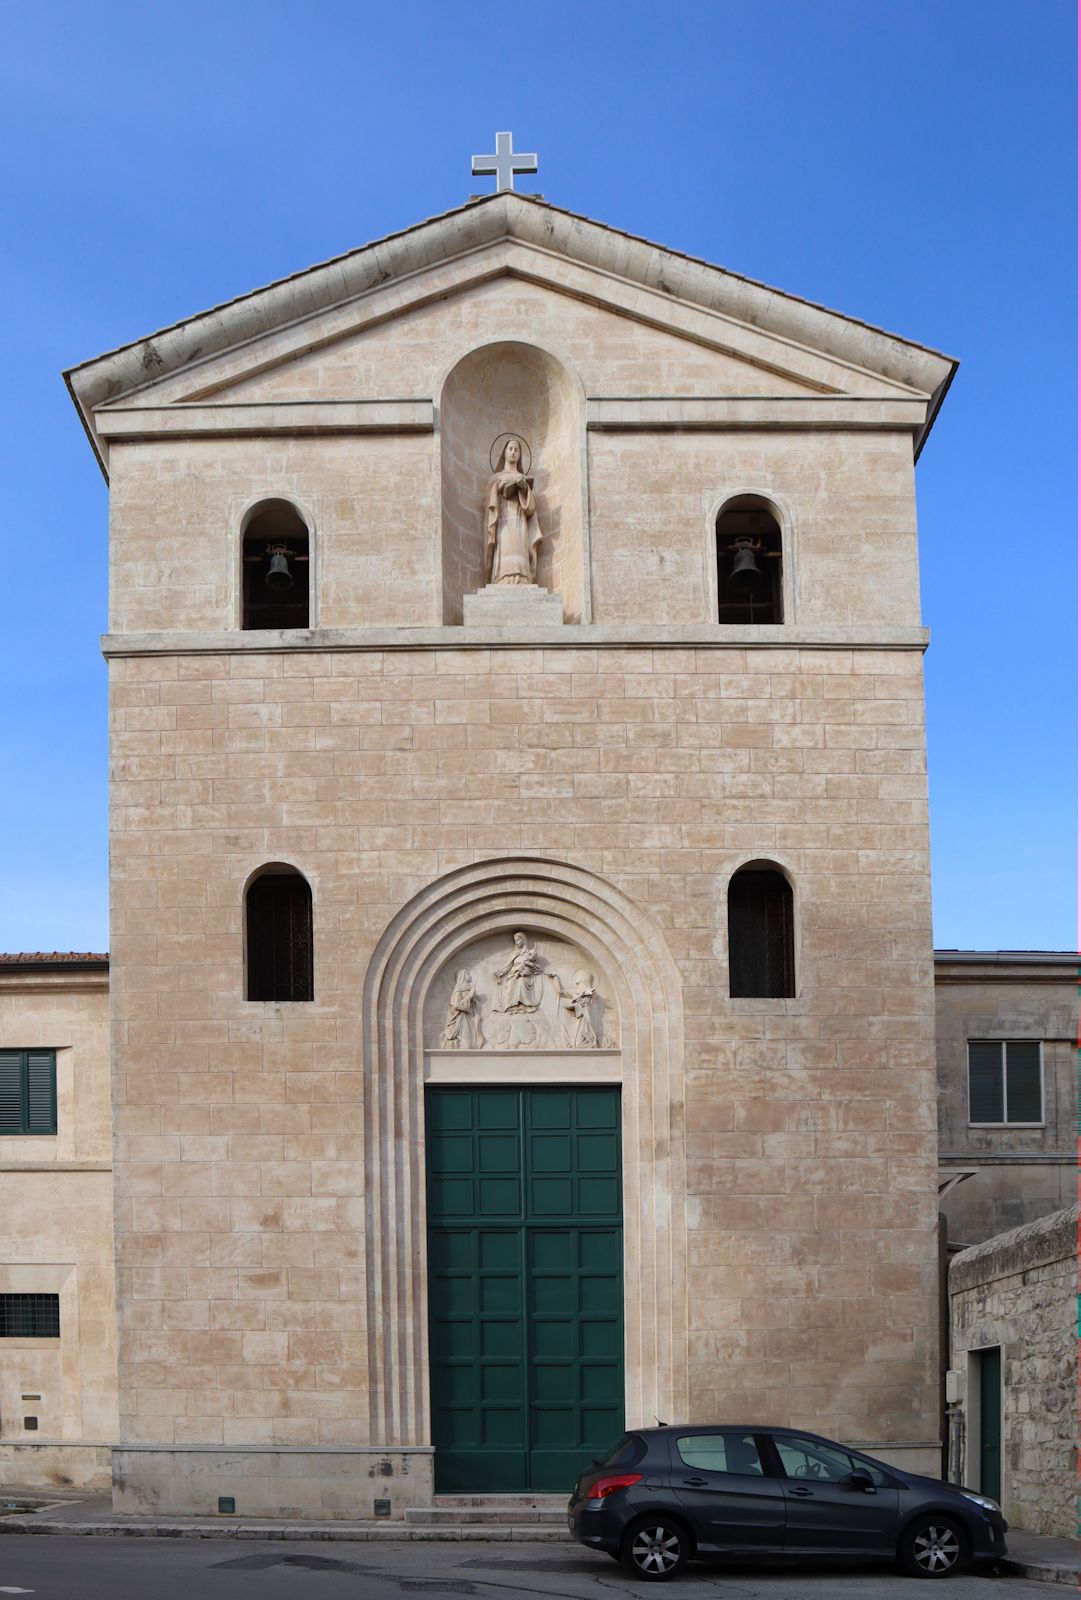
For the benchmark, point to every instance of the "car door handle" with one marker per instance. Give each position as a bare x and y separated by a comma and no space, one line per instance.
695,1483
804,1494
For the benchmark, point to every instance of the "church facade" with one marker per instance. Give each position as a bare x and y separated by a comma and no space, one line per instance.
521,974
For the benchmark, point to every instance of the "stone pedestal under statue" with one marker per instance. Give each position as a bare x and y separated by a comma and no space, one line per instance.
512,605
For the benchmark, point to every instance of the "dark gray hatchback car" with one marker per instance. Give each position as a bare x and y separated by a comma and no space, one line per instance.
664,1496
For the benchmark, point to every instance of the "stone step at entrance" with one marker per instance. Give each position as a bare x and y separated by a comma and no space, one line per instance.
509,1510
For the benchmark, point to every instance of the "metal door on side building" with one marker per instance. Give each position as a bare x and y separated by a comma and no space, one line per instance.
990,1367
525,1285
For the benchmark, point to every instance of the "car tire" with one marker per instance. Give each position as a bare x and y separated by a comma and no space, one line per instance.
932,1547
655,1548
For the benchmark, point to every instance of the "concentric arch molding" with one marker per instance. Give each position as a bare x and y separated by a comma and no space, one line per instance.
555,897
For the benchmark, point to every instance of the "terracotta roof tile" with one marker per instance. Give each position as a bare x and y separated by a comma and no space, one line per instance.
54,958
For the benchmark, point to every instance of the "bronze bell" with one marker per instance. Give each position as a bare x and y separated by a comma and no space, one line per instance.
746,573
278,575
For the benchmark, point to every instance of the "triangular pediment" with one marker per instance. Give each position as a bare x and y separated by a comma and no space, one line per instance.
385,323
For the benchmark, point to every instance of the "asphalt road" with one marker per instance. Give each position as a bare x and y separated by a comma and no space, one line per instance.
95,1568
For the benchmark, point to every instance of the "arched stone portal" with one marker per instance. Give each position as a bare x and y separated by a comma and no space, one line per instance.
565,903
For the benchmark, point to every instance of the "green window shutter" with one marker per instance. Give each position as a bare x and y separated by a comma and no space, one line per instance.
11,1091
985,1099
41,1091
1024,1091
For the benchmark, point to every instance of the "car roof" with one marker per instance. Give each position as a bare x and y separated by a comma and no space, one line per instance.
732,1427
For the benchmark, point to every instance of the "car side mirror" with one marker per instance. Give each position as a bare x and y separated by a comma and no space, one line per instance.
861,1481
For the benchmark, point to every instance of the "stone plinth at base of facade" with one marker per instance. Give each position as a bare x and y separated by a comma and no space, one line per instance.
63,1464
327,1483
512,605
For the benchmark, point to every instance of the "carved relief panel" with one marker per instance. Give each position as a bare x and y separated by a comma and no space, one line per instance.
522,991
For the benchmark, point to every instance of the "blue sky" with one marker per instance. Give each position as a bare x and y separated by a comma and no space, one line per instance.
909,162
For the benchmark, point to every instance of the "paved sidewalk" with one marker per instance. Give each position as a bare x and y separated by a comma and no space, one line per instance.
1032,1555
78,1512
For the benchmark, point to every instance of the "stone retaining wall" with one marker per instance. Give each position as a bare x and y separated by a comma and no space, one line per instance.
1017,1291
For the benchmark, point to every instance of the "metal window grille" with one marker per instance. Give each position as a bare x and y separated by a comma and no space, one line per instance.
29,1316
279,928
761,947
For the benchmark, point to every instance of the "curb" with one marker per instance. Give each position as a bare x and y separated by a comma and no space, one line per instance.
393,1532
1040,1572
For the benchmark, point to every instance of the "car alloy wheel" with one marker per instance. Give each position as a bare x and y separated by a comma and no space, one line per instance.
932,1549
655,1549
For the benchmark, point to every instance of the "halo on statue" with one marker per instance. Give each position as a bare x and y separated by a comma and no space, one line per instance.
499,444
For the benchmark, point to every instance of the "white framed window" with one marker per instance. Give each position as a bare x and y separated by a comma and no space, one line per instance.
1005,1083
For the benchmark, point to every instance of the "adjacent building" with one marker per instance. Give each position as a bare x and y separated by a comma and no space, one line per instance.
58,1401
1006,1026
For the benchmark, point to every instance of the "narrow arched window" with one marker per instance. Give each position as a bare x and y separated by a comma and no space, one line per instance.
278,924
761,946
276,562
749,585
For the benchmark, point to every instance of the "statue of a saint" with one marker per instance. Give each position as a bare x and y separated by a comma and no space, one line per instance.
510,523
461,1031
518,979
579,1003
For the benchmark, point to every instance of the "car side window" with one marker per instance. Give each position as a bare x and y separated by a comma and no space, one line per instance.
721,1452
807,1458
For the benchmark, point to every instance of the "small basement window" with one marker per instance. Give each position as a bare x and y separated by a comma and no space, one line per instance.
29,1316
276,559
278,917
748,562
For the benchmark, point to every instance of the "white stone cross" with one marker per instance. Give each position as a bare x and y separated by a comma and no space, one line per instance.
505,163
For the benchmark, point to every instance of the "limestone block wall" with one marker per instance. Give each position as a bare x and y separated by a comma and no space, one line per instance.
810,1141
176,511
393,549
627,507
56,1236
1018,1290
846,507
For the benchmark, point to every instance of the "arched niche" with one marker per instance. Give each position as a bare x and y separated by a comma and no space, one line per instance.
512,387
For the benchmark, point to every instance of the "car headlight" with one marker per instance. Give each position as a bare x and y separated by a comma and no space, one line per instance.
981,1500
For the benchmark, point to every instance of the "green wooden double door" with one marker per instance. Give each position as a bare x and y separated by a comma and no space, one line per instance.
525,1285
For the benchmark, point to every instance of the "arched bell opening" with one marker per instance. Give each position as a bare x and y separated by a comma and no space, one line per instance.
500,389
275,567
750,586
